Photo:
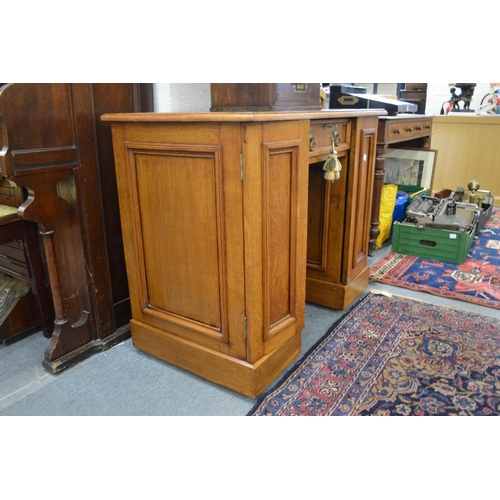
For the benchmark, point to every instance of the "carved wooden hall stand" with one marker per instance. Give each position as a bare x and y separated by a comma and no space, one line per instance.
54,146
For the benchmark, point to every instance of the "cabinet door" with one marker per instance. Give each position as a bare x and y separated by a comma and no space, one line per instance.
181,210
359,198
325,235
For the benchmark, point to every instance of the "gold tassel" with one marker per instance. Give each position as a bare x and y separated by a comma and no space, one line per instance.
332,168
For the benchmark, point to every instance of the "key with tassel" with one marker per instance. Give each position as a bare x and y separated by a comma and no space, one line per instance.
332,166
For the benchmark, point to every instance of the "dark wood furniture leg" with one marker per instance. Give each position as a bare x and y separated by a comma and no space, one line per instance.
377,194
39,281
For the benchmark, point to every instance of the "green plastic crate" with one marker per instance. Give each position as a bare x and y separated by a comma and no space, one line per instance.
430,243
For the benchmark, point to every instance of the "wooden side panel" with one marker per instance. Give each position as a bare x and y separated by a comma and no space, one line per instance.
275,233
181,211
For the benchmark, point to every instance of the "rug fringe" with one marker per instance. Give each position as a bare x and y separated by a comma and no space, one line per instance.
416,299
381,292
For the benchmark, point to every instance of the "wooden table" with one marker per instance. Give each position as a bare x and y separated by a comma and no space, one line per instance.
407,131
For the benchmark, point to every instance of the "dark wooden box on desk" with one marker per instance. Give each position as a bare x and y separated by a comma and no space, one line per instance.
265,96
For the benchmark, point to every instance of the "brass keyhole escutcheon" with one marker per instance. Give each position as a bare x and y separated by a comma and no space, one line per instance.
335,138
312,142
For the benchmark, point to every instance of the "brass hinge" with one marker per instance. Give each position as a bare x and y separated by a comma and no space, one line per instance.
245,327
241,166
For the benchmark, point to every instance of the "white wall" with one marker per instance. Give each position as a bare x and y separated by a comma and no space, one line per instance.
438,93
181,97
186,97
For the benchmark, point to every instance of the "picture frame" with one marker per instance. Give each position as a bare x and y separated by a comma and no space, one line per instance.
410,167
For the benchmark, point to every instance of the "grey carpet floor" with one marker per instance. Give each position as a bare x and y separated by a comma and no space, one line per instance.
124,381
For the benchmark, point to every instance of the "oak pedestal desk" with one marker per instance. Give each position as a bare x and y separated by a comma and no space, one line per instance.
215,209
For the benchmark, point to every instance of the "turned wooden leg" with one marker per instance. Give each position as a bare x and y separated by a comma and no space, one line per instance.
377,194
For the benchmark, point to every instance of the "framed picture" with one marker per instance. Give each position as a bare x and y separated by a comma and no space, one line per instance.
409,167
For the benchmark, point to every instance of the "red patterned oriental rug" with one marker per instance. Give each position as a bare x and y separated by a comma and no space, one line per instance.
477,280
391,355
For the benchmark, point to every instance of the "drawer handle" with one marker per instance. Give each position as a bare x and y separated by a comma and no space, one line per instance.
336,137
409,129
418,127
427,126
397,131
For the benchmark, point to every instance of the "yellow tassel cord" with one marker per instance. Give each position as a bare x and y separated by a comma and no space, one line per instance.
332,167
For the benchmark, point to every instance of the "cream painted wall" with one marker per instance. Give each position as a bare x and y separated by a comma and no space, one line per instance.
186,97
181,97
438,93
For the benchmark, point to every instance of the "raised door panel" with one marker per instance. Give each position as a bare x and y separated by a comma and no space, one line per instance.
185,257
184,260
358,213
275,233
36,128
279,196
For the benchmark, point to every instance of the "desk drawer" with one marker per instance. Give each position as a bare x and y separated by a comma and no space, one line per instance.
321,136
404,130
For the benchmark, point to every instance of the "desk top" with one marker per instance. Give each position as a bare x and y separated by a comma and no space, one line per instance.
405,116
236,116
